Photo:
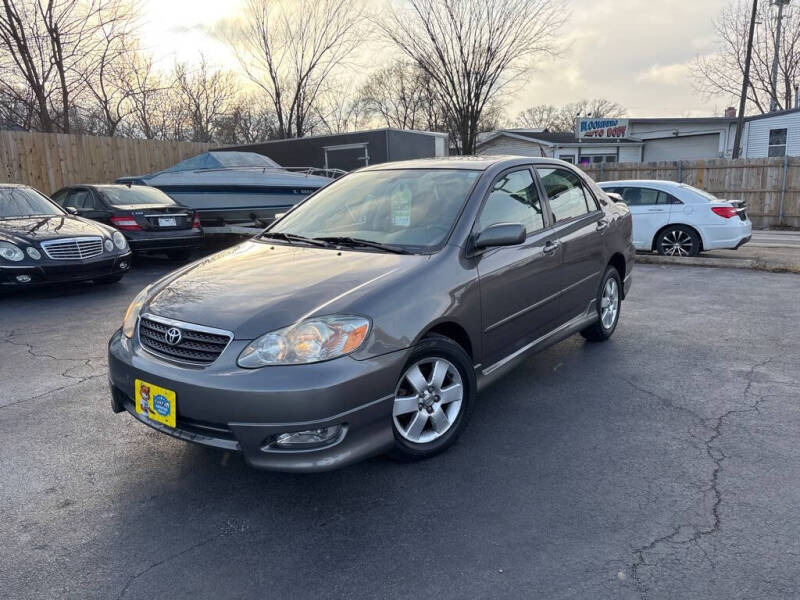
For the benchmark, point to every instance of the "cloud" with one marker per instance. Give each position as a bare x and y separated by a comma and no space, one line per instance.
676,74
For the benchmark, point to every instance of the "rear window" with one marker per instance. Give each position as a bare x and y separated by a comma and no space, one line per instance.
699,192
127,196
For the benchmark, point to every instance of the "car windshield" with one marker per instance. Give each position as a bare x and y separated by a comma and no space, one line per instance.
25,202
137,194
409,208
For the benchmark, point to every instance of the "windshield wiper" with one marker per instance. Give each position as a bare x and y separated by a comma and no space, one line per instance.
292,237
356,242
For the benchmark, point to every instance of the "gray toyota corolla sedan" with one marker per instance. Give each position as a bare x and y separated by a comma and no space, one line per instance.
368,317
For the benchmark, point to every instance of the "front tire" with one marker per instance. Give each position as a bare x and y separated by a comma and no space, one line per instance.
678,240
433,399
609,302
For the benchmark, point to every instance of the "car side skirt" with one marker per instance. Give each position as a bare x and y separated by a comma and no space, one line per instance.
494,372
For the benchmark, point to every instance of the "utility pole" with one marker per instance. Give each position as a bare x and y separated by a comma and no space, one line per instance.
743,99
773,105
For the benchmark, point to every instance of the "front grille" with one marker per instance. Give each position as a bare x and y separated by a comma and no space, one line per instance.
73,248
194,346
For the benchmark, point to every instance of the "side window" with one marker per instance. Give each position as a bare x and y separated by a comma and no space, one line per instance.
513,199
80,199
567,196
777,142
59,197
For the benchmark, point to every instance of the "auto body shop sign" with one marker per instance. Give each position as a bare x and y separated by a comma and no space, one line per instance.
612,129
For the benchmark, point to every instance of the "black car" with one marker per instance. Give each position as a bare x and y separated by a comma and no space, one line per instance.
42,243
149,219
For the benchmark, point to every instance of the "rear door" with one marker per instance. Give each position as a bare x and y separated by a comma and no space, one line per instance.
650,209
579,229
519,284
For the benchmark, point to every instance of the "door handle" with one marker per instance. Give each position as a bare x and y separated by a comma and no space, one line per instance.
550,247
655,210
602,225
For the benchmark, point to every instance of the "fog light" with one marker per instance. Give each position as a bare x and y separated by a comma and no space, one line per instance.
24,278
308,438
123,264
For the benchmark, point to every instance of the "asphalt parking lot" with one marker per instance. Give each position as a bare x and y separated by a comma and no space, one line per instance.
662,464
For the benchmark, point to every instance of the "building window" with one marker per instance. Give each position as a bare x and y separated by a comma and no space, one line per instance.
599,158
570,158
777,142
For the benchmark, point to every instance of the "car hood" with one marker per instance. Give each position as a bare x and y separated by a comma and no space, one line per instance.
254,288
37,229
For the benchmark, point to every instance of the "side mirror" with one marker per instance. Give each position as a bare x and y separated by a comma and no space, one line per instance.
71,210
615,197
500,234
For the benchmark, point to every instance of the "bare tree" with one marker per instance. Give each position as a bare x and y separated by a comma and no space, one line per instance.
45,47
108,68
207,94
398,96
545,116
290,49
721,73
339,110
248,121
541,116
472,49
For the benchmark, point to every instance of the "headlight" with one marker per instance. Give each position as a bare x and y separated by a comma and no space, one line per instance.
33,253
132,314
310,341
11,252
119,240
109,245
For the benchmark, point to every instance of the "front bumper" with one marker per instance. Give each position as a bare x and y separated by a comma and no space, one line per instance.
224,406
49,271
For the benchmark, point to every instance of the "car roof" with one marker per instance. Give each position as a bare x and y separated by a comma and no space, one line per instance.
13,185
472,163
642,182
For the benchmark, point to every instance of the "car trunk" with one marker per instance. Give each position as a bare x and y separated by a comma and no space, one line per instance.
739,205
159,217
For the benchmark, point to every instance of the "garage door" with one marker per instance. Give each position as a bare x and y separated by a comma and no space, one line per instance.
690,147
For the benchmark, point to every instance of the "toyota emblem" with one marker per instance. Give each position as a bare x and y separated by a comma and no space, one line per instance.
173,336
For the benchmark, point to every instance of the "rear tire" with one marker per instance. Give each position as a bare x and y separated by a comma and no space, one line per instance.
433,399
678,240
609,303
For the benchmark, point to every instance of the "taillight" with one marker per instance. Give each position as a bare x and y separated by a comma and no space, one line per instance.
125,223
196,222
724,211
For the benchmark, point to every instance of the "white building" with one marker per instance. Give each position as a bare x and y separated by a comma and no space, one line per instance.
655,139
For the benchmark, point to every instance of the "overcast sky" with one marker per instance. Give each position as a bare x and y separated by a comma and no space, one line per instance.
634,52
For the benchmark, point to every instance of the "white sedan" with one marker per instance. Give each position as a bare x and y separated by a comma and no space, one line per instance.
680,220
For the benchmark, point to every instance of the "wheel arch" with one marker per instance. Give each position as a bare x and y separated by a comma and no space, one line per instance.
617,261
682,224
453,331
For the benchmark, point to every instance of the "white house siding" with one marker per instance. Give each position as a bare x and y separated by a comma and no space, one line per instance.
757,135
691,147
660,130
630,153
506,145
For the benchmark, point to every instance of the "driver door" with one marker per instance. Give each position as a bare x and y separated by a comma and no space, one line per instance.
519,284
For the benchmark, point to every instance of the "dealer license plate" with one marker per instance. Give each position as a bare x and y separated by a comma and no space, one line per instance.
167,222
156,403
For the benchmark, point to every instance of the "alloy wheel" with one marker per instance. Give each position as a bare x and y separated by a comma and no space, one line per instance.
427,400
676,242
609,303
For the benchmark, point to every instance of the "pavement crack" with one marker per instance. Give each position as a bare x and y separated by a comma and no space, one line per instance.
164,560
714,426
